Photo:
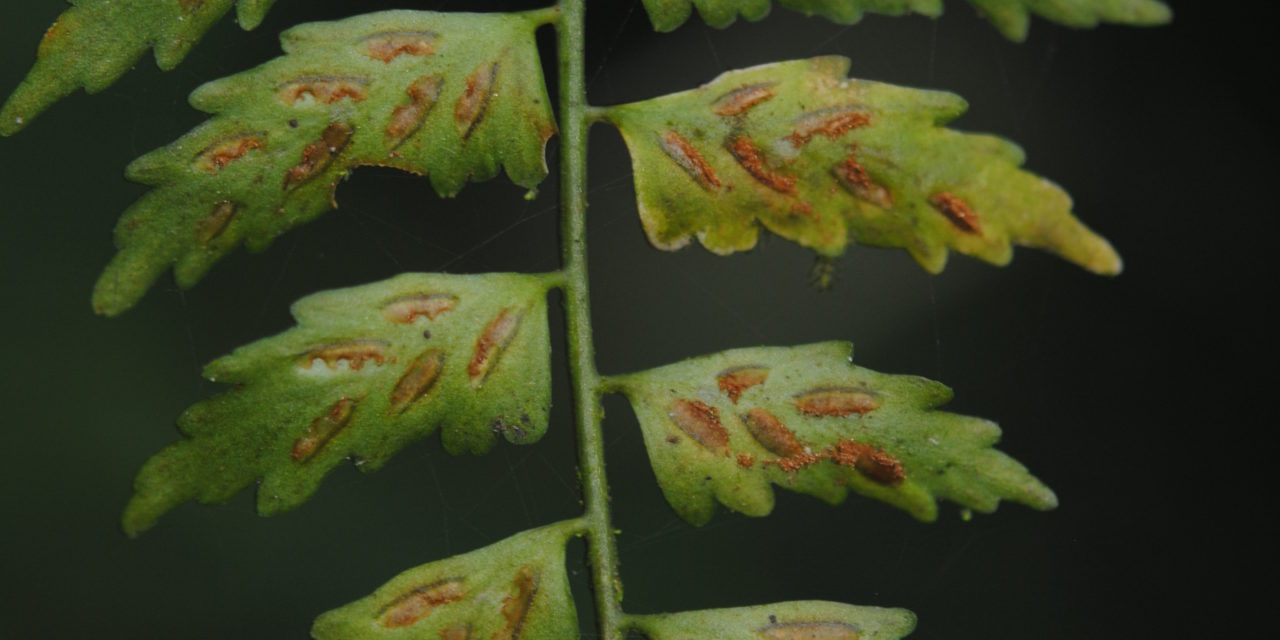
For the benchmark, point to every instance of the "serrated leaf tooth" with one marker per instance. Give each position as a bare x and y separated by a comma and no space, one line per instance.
249,13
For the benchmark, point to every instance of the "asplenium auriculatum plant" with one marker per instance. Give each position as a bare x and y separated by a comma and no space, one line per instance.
795,148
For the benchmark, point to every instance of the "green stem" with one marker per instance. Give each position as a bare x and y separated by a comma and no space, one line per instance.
574,122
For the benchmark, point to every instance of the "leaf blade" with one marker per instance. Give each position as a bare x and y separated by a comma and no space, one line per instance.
810,421
780,621
366,371
1010,17
823,160
421,92
515,588
95,42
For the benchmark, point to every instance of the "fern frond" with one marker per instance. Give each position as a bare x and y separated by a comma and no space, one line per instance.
727,426
454,96
823,160
367,371
806,620
513,589
95,42
1010,17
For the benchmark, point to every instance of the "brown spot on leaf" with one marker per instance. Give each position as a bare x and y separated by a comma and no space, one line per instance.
472,105
957,211
190,6
227,150
855,179
742,99
702,423
409,308
877,464
418,379
391,45
515,607
458,631
408,118
832,123
212,225
752,160
322,430
769,431
810,631
746,460
418,603
356,353
495,338
738,379
318,155
683,153
837,402
322,89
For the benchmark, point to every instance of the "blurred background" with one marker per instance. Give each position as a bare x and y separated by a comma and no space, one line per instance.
1134,398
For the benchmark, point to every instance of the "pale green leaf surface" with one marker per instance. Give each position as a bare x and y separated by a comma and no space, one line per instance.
1010,17
515,589
365,372
808,420
823,160
454,96
95,42
813,620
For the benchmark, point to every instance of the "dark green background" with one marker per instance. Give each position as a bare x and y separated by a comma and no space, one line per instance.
1116,392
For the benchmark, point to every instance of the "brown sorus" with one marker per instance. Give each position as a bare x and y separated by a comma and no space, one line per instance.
497,335
837,402
322,430
389,46
684,154
409,308
418,603
957,211
752,160
742,99
738,379
702,423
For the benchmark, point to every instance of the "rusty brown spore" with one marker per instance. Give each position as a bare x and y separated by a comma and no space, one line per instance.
418,603
407,309
322,89
742,99
877,464
393,44
318,155
473,104
418,379
495,338
820,630
702,423
855,179
746,460
837,402
734,381
515,607
832,123
223,152
687,157
322,430
460,631
751,158
957,211
457,631
211,226
355,352
406,119
771,433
